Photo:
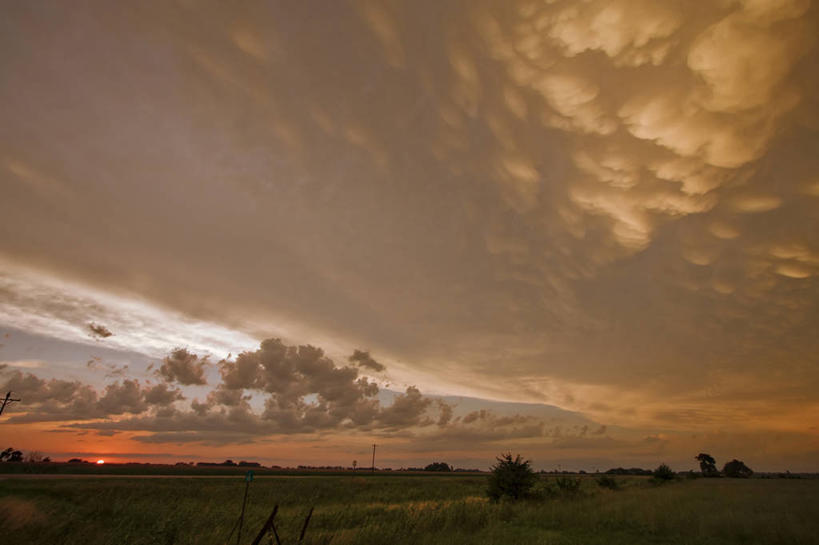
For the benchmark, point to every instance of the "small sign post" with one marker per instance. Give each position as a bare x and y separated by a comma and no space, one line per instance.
248,480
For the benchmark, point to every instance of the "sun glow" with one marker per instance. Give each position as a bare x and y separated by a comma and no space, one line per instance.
100,462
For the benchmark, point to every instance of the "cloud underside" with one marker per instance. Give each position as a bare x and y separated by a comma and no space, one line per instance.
606,205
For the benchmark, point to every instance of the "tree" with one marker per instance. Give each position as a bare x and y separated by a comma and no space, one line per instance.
738,469
438,466
707,464
355,463
11,455
511,477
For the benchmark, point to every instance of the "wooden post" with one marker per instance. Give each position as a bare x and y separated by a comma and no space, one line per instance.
268,525
373,458
275,533
306,522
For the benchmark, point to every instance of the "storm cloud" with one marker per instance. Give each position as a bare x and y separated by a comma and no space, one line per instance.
607,206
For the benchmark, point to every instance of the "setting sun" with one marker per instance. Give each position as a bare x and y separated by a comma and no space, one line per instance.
100,462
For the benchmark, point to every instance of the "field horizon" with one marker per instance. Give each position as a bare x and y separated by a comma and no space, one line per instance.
237,469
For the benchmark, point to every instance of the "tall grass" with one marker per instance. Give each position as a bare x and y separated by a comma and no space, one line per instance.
408,509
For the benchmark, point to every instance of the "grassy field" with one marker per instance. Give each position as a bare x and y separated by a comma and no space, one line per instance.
406,509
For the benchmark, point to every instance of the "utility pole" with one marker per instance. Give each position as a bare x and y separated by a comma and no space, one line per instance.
373,457
8,401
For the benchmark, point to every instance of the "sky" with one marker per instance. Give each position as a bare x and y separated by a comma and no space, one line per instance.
585,231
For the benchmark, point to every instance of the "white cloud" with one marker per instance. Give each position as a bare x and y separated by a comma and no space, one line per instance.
44,305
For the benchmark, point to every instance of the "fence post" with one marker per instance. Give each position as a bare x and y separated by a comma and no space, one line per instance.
306,522
268,525
248,480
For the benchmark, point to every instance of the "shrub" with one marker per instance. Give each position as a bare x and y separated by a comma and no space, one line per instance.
604,481
663,473
34,457
541,490
511,477
568,486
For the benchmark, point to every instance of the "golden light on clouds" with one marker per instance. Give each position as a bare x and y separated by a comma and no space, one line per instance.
604,209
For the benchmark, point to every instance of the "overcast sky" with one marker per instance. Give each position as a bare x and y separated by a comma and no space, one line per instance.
606,212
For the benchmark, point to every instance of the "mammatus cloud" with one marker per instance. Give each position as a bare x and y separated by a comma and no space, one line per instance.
645,151
671,153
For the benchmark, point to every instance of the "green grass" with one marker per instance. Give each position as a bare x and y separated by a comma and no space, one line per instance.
406,509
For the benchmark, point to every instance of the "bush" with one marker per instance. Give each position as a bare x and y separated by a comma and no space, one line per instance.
511,477
568,486
604,481
663,473
34,457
